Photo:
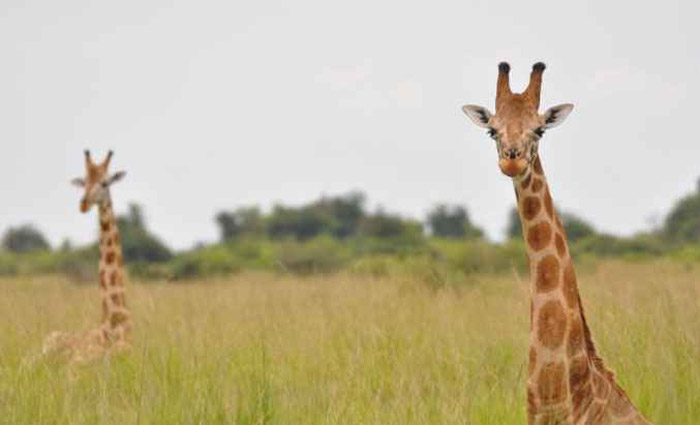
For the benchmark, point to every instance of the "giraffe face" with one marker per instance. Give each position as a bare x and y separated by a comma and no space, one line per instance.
97,182
517,127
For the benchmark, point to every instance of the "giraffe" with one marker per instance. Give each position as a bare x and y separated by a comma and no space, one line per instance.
568,383
114,332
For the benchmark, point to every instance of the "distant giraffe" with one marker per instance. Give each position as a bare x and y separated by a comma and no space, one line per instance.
568,382
114,331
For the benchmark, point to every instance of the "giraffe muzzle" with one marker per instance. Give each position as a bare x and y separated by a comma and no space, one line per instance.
512,167
84,206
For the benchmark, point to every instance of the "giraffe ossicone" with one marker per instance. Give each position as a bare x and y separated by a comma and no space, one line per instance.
568,382
114,331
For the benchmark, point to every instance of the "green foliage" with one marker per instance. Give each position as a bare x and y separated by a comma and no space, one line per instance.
138,243
481,256
576,228
383,225
212,261
320,255
300,223
24,239
247,221
452,222
682,225
602,245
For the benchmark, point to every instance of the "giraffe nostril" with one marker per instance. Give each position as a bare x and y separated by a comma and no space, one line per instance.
513,153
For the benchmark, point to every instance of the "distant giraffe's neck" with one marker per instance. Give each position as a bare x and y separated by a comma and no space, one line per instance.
116,319
568,382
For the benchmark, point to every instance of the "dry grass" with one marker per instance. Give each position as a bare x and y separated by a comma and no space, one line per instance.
263,349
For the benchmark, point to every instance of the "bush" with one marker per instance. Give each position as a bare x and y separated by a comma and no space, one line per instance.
602,245
320,255
24,239
452,222
206,262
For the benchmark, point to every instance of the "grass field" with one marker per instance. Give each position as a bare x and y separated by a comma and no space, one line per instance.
266,349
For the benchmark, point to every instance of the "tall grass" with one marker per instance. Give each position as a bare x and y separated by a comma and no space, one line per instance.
341,349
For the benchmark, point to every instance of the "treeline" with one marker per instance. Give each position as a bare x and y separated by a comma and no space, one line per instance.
339,233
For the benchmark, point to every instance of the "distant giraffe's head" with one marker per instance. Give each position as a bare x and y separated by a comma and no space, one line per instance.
517,126
96,182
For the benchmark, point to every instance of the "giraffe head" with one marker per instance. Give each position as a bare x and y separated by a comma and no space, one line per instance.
517,126
96,182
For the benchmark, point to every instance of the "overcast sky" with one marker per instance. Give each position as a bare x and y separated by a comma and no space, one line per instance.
215,105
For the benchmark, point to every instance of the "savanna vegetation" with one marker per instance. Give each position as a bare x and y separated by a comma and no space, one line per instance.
330,314
347,348
338,233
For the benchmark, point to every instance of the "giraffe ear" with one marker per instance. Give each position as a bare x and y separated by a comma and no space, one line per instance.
78,182
117,176
480,115
557,114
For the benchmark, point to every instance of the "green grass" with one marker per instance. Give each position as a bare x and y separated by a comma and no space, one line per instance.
266,349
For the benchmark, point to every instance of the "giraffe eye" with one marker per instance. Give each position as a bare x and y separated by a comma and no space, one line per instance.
493,133
539,131
104,184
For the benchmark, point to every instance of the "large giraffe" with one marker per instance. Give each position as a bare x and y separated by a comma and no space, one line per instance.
114,332
568,382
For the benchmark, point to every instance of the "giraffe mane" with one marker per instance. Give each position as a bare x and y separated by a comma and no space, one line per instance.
592,353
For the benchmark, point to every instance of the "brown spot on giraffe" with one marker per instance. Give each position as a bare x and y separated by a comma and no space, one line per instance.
113,278
104,226
117,317
551,386
547,273
109,257
575,340
533,360
560,244
526,182
531,207
539,235
537,165
103,283
570,287
551,324
531,401
537,185
105,310
579,373
581,398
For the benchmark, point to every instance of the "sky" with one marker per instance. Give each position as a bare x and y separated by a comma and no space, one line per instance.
213,105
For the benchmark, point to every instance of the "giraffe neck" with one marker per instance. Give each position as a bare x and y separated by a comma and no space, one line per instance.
567,380
116,319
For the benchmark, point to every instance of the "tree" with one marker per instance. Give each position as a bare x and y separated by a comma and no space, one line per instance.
682,225
23,239
300,223
138,243
244,221
576,228
452,222
344,212
383,225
